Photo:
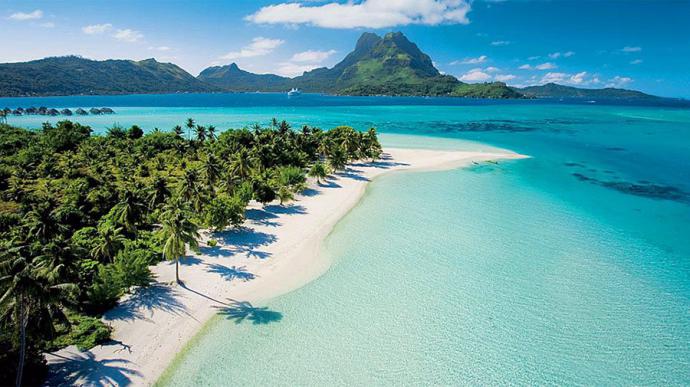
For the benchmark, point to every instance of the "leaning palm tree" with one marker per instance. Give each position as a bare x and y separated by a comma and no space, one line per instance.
318,171
30,294
178,232
212,133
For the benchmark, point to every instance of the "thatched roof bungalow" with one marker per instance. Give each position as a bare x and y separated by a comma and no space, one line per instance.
94,111
81,112
66,112
17,112
31,110
53,112
43,110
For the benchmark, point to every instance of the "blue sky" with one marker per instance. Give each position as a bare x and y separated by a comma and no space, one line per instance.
635,44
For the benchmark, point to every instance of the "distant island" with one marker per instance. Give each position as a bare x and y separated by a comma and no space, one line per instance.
389,65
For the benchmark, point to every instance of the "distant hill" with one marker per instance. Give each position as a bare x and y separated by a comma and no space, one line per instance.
230,77
72,75
553,90
389,65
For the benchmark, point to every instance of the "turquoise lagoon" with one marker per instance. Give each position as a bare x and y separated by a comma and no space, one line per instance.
571,267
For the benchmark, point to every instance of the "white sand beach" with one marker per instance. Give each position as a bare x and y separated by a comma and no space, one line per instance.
276,251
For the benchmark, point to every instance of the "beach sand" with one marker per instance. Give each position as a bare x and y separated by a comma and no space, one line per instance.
276,251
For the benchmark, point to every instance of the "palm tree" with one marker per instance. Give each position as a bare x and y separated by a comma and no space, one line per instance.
178,232
129,211
178,131
319,171
337,159
30,294
212,133
190,126
159,191
200,133
110,241
211,170
285,194
242,164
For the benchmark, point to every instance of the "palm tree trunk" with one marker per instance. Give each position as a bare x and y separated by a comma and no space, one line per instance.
177,270
23,320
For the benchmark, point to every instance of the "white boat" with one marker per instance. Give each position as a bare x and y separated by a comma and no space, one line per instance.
294,92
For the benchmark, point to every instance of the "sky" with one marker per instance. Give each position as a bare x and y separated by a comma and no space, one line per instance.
637,44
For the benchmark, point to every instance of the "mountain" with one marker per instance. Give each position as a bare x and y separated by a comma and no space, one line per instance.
553,90
71,75
388,65
230,77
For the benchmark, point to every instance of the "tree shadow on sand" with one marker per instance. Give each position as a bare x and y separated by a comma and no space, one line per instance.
291,209
231,273
261,216
145,301
84,369
240,311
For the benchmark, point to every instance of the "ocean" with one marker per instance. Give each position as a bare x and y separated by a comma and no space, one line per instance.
570,267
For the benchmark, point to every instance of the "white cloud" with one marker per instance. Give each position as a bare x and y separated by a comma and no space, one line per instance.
21,16
556,55
578,78
554,78
500,43
292,69
477,60
545,66
160,48
618,81
631,49
365,14
47,25
128,35
312,56
492,69
95,29
475,75
258,47
636,61
525,67
505,77
534,57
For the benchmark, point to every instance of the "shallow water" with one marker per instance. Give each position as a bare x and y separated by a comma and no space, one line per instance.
571,267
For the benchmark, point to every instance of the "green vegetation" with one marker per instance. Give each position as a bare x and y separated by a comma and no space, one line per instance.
82,217
552,90
496,90
72,75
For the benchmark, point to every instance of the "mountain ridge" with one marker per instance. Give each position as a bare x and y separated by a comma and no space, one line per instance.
73,75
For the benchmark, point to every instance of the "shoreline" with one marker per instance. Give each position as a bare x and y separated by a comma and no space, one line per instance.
276,252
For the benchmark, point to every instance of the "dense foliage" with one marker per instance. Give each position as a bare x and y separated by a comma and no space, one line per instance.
82,217
71,75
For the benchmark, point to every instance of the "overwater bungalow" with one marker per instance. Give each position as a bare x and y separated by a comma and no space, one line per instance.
107,110
53,112
66,112
95,111
81,112
20,109
7,110
31,110
17,112
43,110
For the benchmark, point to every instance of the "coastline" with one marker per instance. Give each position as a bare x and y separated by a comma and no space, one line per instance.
277,252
